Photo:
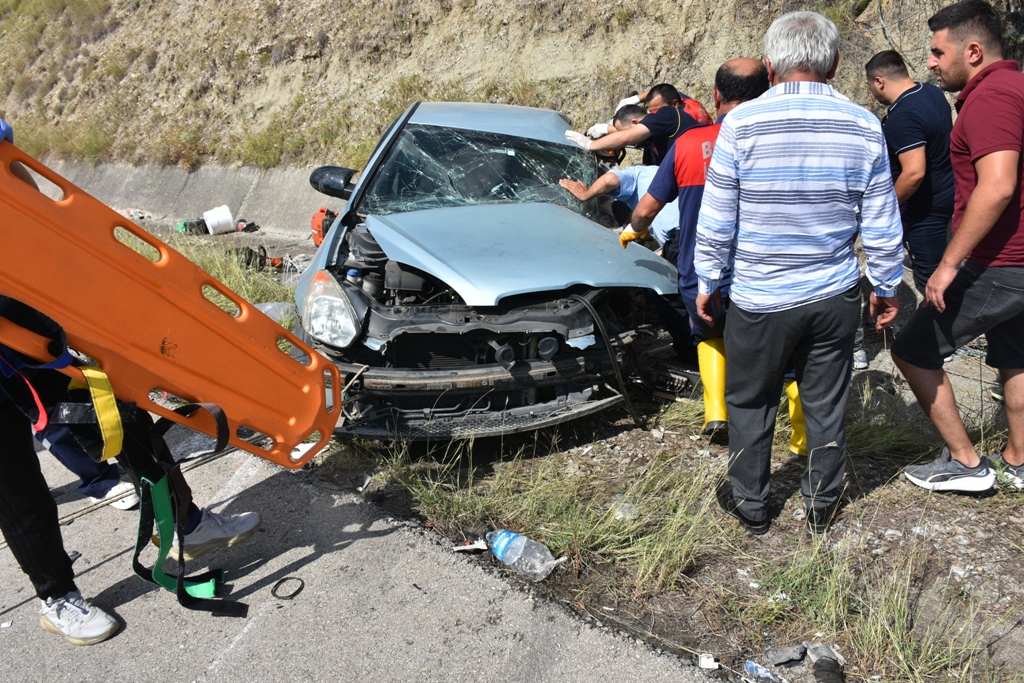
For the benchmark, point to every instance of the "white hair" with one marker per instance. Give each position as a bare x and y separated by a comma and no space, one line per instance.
802,41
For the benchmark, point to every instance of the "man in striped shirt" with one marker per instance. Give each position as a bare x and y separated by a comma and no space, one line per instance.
796,175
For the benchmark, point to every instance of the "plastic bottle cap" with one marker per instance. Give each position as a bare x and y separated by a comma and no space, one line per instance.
353,271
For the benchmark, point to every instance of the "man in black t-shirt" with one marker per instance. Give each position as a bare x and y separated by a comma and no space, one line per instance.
669,114
917,129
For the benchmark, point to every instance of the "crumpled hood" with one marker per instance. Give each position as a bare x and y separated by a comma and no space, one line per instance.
488,252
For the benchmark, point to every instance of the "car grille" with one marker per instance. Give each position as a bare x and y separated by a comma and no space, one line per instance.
440,351
493,401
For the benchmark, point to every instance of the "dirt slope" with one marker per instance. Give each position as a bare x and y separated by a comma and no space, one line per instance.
269,82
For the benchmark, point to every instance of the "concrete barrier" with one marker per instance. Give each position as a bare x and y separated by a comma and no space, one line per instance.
279,200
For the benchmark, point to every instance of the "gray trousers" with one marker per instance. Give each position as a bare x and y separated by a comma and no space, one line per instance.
819,338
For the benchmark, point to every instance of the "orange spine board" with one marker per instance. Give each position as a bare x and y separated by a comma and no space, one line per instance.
149,325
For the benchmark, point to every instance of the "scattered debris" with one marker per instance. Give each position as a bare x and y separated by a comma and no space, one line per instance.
6,624
466,546
246,226
623,510
762,674
818,651
219,220
528,558
708,661
658,435
787,656
192,226
287,596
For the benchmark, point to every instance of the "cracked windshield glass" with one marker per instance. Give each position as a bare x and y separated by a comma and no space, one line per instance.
431,167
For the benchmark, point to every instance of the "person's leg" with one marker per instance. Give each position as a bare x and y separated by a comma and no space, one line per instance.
1013,383
95,478
823,359
710,347
979,300
28,513
926,242
758,345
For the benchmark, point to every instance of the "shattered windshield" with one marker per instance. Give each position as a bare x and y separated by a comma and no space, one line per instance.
430,167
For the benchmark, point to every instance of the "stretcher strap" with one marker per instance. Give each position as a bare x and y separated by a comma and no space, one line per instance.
197,592
107,414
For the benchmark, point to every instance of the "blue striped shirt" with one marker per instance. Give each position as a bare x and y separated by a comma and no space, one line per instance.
796,174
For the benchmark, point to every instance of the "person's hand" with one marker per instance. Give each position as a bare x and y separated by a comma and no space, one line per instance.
598,130
883,309
708,305
578,138
578,189
634,99
935,290
627,235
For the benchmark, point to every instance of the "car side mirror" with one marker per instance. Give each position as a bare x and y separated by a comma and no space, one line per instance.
333,181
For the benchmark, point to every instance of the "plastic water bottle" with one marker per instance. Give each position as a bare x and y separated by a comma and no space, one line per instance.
529,558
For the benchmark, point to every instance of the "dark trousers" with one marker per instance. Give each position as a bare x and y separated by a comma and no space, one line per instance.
28,514
96,478
819,338
925,238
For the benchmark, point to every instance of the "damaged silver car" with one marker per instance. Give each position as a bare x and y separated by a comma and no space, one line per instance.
462,292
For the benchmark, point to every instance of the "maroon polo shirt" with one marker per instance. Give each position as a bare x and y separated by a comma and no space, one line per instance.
990,118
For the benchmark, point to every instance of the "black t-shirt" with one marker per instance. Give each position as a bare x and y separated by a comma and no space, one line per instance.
665,124
921,116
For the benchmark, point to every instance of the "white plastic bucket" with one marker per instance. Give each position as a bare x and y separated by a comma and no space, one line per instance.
219,220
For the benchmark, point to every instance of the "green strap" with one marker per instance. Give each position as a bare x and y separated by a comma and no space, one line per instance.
163,511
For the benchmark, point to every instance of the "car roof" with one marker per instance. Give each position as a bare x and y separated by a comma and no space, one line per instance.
526,122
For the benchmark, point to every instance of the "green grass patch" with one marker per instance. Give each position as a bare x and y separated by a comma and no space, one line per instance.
255,286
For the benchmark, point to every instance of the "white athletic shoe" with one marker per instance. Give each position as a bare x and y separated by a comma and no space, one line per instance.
78,620
126,503
860,359
216,531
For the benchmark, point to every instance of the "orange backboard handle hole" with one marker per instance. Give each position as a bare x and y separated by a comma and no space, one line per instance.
137,243
285,345
222,300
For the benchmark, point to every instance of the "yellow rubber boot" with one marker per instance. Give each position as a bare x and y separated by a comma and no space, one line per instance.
798,441
711,357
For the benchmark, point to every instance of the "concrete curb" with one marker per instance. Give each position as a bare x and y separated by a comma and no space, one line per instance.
280,200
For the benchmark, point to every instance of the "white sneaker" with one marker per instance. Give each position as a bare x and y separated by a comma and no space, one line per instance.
78,620
126,503
216,531
860,359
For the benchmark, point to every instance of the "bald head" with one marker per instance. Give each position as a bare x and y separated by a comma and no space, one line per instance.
741,79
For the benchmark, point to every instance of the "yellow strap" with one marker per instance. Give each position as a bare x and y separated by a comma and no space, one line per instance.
107,413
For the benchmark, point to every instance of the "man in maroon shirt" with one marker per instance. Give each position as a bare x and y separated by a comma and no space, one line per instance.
978,287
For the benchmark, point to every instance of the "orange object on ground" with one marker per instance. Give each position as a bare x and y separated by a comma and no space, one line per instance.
149,322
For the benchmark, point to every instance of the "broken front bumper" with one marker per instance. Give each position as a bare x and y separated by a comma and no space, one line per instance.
478,401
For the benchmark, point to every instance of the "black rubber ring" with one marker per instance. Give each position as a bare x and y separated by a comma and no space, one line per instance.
273,591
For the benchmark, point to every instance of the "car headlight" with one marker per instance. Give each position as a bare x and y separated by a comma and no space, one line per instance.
329,315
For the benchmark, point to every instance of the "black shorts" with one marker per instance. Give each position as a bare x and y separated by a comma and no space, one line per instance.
980,300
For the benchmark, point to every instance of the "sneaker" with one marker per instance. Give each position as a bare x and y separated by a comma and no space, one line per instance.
126,503
216,531
946,474
728,503
1005,472
995,390
860,359
78,620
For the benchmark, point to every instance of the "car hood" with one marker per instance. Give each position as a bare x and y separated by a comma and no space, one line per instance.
488,252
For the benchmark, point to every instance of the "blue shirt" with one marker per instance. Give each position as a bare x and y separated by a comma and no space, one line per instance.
633,184
665,124
921,117
796,175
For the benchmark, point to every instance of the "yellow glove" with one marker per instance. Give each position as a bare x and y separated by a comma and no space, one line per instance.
627,235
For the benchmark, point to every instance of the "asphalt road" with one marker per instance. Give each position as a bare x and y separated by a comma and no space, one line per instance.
383,601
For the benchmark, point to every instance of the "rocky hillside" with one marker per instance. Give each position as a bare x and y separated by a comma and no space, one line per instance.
278,82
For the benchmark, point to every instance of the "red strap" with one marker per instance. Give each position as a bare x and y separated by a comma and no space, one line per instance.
41,423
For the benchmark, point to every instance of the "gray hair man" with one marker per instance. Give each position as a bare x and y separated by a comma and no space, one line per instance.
796,175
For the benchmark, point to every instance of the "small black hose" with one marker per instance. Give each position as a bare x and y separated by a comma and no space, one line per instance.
611,355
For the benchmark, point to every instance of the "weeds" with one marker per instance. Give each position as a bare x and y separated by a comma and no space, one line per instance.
225,266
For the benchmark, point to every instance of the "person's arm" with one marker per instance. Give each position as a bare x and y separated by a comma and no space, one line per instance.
717,223
997,181
607,183
613,141
914,163
646,211
881,234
